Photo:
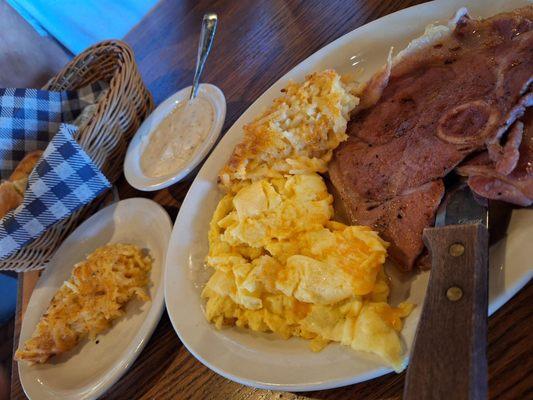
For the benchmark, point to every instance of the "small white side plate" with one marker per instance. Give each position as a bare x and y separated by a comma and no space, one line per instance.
132,164
88,370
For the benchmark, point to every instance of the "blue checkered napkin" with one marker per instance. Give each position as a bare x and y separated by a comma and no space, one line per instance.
64,179
29,118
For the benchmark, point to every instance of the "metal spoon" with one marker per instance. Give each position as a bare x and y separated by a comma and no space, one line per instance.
209,27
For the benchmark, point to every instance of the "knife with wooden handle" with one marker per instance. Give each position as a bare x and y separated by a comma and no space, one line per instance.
448,359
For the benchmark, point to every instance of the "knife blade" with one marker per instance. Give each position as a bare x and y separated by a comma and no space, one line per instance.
448,358
462,206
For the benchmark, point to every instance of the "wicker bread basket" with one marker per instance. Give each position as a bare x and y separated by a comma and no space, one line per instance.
105,137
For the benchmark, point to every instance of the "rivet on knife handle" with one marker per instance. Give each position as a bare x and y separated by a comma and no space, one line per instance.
448,359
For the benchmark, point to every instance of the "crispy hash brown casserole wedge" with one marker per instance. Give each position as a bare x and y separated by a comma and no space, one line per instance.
296,135
281,264
89,301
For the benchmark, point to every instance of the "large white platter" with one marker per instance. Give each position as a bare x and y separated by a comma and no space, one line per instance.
264,360
92,367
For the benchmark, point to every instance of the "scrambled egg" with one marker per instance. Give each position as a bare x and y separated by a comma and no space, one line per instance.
282,265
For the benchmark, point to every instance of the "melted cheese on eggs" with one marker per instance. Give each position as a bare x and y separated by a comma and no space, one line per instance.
282,265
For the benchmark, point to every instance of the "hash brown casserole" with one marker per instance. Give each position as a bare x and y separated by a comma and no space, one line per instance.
87,303
296,135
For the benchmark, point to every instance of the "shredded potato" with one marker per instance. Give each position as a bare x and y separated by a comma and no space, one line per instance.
296,135
89,301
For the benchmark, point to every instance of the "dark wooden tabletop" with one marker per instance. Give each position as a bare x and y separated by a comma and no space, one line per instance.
258,42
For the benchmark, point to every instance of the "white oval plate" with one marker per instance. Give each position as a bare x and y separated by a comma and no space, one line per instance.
132,163
264,360
90,369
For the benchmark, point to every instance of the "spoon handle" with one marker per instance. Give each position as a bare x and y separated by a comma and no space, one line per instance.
209,26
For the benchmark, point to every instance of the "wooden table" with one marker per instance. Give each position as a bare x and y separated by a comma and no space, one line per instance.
257,42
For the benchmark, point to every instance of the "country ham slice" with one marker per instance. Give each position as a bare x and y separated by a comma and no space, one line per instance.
451,93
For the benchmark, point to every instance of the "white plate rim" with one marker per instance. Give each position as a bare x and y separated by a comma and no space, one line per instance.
150,322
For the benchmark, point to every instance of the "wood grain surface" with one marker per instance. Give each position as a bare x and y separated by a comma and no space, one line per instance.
256,43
